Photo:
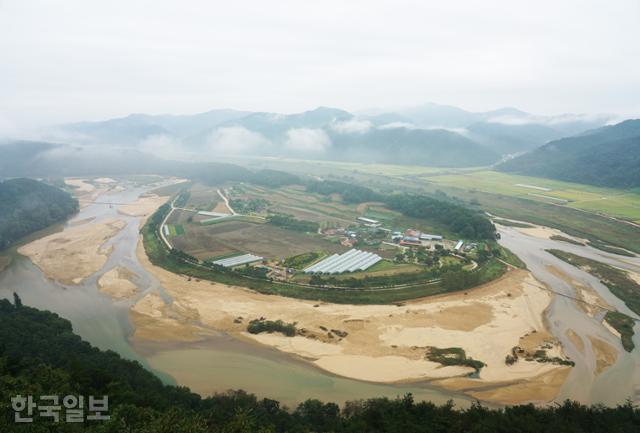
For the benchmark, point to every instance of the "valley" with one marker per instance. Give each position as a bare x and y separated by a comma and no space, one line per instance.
184,326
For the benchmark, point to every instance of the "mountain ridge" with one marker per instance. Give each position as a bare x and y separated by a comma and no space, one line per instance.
607,156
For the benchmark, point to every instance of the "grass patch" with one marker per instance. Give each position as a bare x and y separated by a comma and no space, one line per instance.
508,256
610,249
453,356
624,325
302,260
242,218
565,239
258,326
617,280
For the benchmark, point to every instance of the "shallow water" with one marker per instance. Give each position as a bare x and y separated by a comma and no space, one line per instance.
620,381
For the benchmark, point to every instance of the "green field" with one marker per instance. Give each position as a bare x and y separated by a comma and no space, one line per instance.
623,204
587,215
240,218
608,201
175,229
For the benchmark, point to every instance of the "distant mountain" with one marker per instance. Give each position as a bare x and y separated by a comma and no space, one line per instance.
432,115
506,131
608,156
430,134
129,130
429,147
508,139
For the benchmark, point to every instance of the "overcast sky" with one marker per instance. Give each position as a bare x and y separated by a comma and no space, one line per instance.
78,59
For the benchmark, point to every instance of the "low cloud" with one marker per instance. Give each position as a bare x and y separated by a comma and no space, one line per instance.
396,125
236,140
549,120
307,140
351,126
162,145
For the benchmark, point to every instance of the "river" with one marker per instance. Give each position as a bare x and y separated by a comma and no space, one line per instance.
223,363
620,381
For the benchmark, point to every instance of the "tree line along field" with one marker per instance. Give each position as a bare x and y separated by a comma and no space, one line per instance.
579,220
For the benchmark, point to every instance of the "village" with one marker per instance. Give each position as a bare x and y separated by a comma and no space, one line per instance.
285,236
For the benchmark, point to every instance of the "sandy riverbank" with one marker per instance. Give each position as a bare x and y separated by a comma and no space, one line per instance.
143,207
380,343
86,192
118,283
75,253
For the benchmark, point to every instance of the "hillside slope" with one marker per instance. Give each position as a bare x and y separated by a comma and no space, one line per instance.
608,156
27,205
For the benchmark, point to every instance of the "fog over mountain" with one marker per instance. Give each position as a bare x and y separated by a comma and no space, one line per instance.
430,134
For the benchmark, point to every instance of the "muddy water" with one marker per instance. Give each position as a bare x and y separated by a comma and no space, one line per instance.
219,364
622,380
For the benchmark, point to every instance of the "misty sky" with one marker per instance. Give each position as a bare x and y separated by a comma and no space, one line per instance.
76,59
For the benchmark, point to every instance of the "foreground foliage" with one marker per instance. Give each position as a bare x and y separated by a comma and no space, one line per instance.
40,354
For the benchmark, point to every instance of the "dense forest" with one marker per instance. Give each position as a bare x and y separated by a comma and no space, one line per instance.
608,156
40,355
291,223
27,205
274,178
465,222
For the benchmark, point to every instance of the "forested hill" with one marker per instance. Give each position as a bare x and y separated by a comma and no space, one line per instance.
27,205
608,156
40,355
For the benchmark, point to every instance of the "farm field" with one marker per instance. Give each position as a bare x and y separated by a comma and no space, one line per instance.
205,242
608,201
207,238
322,166
587,216
613,202
329,211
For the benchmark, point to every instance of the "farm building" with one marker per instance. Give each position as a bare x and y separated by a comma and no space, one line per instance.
351,261
243,259
459,245
368,222
430,237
